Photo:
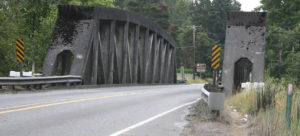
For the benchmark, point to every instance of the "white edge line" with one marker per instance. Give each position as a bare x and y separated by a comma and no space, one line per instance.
152,118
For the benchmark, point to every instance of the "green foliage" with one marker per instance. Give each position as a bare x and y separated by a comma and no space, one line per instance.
105,3
186,71
212,16
119,4
283,41
266,98
43,36
179,12
284,14
33,21
10,16
268,107
156,10
203,47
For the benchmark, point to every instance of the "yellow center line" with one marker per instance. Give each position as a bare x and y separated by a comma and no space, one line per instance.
24,107
5,108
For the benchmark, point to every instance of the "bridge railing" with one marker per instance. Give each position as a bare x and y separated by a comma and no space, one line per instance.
40,81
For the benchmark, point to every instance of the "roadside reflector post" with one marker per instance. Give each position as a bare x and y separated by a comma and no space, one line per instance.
216,96
20,54
289,105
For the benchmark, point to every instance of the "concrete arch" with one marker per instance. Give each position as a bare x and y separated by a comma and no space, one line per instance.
63,63
242,72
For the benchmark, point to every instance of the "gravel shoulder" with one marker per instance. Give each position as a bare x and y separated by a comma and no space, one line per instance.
205,123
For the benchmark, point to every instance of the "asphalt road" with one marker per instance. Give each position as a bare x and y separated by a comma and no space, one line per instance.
129,111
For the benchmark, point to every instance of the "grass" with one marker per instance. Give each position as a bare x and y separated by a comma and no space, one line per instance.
198,80
186,71
268,108
241,99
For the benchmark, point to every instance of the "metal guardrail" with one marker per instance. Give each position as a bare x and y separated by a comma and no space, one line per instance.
215,100
205,94
51,80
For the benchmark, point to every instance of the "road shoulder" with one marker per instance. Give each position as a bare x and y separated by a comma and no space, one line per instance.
202,122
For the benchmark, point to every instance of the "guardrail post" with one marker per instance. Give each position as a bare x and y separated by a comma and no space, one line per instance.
40,87
44,86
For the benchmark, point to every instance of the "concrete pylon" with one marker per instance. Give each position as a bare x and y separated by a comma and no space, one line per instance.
244,56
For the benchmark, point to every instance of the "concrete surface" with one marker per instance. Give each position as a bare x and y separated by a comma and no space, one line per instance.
245,38
96,112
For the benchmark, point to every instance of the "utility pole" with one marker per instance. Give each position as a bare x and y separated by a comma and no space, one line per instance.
194,44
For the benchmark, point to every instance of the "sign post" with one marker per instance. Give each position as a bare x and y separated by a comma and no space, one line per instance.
20,54
201,68
216,56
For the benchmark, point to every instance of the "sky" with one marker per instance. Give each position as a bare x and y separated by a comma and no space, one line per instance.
249,5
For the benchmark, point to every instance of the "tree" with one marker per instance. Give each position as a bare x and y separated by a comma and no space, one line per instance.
179,13
155,10
120,4
7,34
33,21
212,15
283,42
105,3
185,48
283,13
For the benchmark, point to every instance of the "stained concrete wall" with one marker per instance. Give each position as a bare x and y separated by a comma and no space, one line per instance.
245,38
111,46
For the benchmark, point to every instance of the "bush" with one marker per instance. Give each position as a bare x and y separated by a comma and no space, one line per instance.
268,107
190,71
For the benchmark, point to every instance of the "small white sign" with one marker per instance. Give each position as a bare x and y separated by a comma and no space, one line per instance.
17,74
201,67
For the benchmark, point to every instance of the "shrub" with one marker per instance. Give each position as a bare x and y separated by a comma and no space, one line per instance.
268,106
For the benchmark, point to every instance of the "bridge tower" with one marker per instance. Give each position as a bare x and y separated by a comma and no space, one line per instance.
244,55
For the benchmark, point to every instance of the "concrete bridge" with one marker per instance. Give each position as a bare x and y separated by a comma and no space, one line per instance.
109,46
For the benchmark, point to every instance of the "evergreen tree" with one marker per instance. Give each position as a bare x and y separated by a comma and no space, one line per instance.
211,15
155,10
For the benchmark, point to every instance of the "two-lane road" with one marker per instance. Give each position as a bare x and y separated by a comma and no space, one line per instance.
137,110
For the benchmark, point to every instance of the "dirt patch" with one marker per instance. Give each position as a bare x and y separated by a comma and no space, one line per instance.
202,122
